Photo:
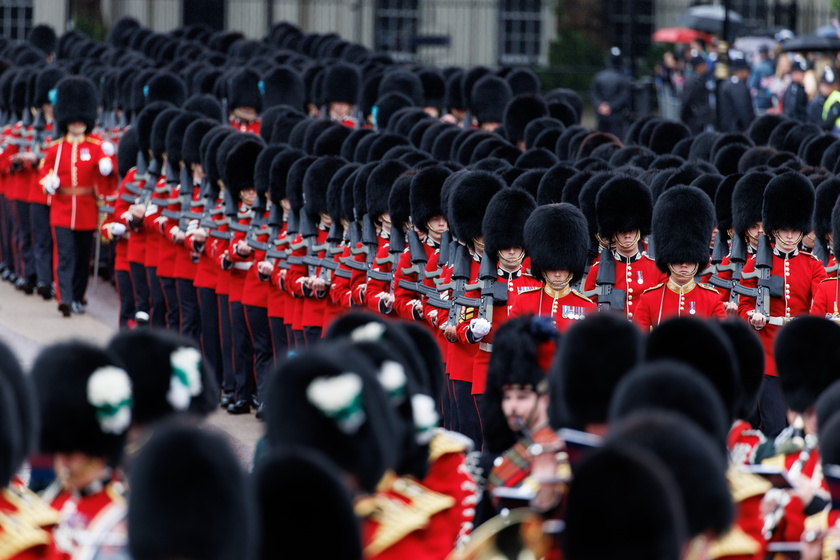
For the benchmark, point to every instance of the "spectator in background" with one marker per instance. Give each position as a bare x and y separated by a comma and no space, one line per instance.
696,112
795,99
610,96
669,84
736,107
814,111
780,81
831,108
760,79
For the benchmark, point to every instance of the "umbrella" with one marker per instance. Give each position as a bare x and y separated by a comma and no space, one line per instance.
679,35
828,31
709,18
812,43
752,44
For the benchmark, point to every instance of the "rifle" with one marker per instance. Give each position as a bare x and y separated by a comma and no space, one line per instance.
460,277
396,245
737,260
768,285
310,233
487,277
418,257
609,297
446,242
144,175
355,237
334,247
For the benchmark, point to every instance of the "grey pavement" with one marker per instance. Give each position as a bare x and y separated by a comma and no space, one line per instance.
28,323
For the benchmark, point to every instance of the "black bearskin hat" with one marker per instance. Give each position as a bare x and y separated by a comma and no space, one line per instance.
750,357
166,86
683,221
804,373
504,221
193,135
240,162
315,184
179,481
520,111
76,101
283,85
665,136
379,185
244,90
46,80
85,400
341,84
788,203
556,238
489,97
747,198
826,196
424,195
468,202
623,204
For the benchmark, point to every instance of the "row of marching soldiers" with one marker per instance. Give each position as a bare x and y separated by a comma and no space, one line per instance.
600,425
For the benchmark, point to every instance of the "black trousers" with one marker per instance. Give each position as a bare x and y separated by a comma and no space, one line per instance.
450,408
190,311
158,312
173,308
312,335
140,287
26,260
243,353
279,338
73,248
126,297
42,243
208,304
260,329
6,233
469,422
226,340
772,409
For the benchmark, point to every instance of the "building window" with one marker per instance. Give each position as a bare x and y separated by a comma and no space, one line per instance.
15,18
520,31
396,25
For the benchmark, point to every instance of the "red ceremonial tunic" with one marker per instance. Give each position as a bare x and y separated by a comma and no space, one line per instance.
564,307
827,299
742,443
76,163
634,275
671,300
801,276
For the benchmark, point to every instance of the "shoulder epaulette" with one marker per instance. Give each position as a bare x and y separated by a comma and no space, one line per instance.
446,442
30,508
734,543
581,296
774,461
654,287
92,140
55,142
743,485
829,279
530,289
707,287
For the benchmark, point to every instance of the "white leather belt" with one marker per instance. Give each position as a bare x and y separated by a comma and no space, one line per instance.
243,265
779,321
485,346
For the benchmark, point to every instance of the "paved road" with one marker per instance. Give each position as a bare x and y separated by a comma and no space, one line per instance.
28,323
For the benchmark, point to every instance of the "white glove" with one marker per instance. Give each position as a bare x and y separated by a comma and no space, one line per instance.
108,149
117,229
106,166
480,328
51,184
151,209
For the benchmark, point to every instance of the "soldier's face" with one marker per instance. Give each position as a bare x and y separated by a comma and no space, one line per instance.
436,226
76,128
788,237
248,196
77,470
520,408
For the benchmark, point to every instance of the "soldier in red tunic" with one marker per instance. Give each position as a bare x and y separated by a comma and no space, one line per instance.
683,220
556,239
794,279
827,297
85,403
624,208
341,92
70,173
244,100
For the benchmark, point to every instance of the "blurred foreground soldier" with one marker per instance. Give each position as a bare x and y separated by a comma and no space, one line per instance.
683,221
611,95
24,518
627,489
85,401
793,279
189,499
556,239
795,99
515,418
827,297
313,497
71,173
804,376
695,111
736,107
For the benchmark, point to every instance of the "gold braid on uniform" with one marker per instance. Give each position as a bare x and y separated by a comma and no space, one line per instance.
30,508
17,536
398,519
